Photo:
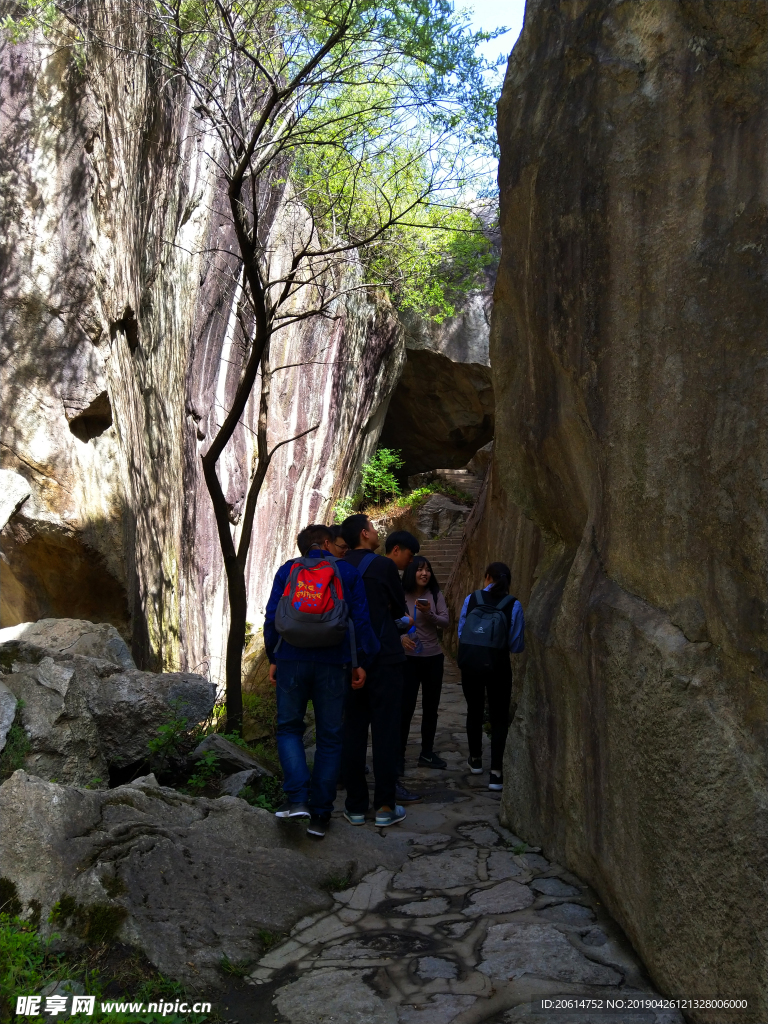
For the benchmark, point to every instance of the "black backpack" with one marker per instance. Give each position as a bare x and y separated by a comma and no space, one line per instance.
485,634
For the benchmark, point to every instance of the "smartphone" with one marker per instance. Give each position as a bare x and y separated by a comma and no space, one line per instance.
422,603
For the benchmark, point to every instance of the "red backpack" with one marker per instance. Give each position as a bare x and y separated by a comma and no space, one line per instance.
312,611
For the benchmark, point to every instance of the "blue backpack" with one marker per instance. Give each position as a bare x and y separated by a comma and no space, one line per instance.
485,633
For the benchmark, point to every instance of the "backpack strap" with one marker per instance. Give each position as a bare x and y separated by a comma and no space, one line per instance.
506,600
479,597
365,562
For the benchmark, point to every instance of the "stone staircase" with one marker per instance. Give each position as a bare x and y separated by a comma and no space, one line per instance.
442,554
461,479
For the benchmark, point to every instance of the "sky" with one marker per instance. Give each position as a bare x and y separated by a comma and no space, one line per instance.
490,14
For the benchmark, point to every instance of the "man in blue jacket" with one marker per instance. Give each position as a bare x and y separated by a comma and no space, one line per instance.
319,674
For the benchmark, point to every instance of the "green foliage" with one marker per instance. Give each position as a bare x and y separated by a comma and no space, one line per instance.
28,963
268,939
269,796
249,633
94,923
337,883
235,968
520,848
378,473
206,769
16,748
343,509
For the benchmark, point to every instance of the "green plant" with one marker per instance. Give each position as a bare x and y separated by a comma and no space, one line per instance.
170,735
93,784
268,939
520,848
16,748
343,509
378,473
269,797
235,968
337,883
207,768
249,632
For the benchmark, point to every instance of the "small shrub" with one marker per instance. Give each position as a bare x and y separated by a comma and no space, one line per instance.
235,968
379,475
206,769
337,883
520,848
16,748
343,509
269,797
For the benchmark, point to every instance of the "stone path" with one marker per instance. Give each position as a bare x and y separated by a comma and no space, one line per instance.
473,927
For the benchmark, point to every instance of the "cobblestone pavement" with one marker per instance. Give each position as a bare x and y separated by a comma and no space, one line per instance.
474,926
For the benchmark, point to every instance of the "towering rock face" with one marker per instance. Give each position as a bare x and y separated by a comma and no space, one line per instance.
628,481
117,360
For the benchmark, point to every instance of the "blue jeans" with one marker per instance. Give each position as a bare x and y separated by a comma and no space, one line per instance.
326,686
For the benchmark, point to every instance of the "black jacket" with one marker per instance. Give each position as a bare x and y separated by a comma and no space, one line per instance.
386,602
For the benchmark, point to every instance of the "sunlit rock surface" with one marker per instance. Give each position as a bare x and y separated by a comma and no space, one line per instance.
627,488
117,361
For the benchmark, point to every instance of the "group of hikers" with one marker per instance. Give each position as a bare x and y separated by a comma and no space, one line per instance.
343,630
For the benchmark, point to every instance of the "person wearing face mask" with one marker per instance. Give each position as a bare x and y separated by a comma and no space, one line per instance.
424,658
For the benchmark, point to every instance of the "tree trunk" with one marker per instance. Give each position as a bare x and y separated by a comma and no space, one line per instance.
238,604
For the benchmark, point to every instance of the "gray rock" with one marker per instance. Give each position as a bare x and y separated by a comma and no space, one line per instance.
501,899
425,908
535,862
232,785
480,833
230,756
513,949
444,870
14,491
567,913
83,714
436,967
7,712
69,637
501,864
553,887
341,996
185,880
595,937
440,515
441,1009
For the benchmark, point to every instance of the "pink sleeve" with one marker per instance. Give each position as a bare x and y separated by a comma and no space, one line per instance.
441,614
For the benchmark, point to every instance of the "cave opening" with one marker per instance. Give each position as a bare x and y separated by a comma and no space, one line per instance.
93,420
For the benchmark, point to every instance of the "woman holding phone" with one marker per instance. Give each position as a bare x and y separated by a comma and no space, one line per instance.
424,657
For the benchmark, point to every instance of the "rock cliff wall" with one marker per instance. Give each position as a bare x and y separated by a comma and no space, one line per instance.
116,358
627,487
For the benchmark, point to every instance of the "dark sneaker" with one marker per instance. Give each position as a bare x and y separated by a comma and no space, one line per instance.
291,810
496,782
475,765
317,827
406,795
431,761
354,819
386,816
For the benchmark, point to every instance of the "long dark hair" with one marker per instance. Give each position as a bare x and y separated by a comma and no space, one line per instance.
409,577
501,575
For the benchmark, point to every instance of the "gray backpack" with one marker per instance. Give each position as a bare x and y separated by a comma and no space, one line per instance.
312,611
485,633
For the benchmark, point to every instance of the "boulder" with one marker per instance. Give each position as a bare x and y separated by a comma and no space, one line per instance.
65,636
186,880
229,754
7,712
233,784
83,714
439,516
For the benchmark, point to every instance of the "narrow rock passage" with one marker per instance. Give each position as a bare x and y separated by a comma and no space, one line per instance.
472,927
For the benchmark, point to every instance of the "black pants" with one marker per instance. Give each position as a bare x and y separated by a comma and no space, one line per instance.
498,684
377,704
427,673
